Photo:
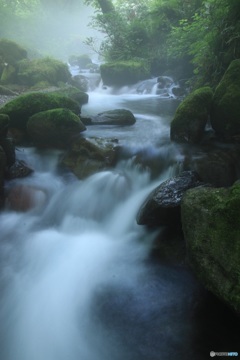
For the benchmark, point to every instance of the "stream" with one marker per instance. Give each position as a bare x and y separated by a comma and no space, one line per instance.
77,279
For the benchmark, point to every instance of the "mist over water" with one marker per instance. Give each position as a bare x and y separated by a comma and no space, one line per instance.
54,29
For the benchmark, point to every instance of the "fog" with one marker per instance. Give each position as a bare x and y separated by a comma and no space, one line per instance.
53,30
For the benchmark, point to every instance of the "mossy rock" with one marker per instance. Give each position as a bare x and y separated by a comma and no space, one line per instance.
10,54
225,117
210,219
73,93
191,116
83,61
89,156
120,73
24,106
54,128
47,69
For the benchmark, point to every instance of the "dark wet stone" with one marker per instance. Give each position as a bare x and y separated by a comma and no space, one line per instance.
162,206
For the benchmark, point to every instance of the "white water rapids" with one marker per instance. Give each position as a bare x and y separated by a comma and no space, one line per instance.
76,278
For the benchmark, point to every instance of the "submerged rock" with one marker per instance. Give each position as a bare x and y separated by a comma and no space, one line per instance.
25,198
89,156
210,219
162,206
18,170
191,116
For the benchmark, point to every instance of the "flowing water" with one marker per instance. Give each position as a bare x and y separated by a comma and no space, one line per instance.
77,279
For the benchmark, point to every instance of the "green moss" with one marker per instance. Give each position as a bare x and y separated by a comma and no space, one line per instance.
121,73
211,228
21,108
191,116
54,127
47,69
73,93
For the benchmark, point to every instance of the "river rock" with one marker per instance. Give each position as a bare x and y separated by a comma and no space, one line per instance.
218,167
89,156
226,104
25,198
18,170
162,206
191,117
210,219
72,92
120,73
54,128
114,117
31,72
24,106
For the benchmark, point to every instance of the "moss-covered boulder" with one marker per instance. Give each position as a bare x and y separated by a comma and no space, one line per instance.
54,128
89,156
191,116
225,117
10,54
122,73
24,106
210,219
73,93
46,69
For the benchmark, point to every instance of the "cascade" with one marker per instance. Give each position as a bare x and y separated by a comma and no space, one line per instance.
76,274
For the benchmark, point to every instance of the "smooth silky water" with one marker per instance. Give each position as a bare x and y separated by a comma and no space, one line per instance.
78,281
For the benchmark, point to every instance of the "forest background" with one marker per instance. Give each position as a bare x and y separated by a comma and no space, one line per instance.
191,39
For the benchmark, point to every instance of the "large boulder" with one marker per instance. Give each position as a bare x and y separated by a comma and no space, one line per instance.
114,117
46,69
210,219
10,54
24,106
162,206
54,128
89,156
225,117
120,73
191,116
